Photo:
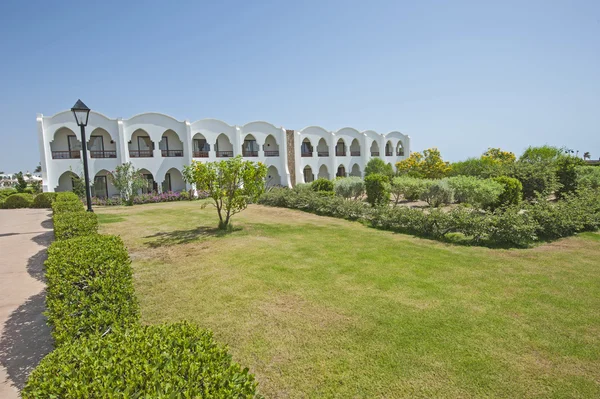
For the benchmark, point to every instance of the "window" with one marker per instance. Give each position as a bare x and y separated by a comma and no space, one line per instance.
166,186
100,188
96,143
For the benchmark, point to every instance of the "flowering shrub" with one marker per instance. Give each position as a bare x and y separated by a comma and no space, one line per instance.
150,198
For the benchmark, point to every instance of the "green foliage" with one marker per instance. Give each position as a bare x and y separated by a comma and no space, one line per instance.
428,165
588,177
21,183
409,188
66,196
36,186
349,187
128,181
378,188
61,206
498,155
536,178
90,288
322,184
513,191
43,200
20,200
567,174
438,193
378,166
481,193
301,187
6,192
176,360
544,154
478,167
74,224
232,184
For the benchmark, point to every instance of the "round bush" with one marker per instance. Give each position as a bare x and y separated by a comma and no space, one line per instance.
378,189
172,360
6,192
438,193
322,184
15,201
43,200
513,191
66,196
349,187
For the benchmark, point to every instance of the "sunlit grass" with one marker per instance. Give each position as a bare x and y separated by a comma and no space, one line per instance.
321,307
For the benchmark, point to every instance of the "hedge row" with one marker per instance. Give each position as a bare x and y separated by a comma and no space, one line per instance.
511,226
101,348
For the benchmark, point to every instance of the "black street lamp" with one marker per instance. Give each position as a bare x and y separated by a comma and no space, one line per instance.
82,112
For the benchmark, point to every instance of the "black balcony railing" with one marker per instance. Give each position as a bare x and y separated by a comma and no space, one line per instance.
172,153
246,153
355,153
307,154
103,154
200,154
374,153
340,153
388,154
274,153
141,153
66,154
224,154
323,153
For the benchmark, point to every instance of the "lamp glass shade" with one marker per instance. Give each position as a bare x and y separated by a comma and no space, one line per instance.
81,112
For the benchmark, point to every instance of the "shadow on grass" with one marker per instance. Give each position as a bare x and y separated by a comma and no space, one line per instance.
170,238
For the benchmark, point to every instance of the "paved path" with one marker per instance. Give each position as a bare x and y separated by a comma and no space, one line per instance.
24,335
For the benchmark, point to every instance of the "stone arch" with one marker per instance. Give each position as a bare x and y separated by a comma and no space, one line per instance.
200,146
141,145
271,148
389,148
355,148
273,177
399,149
309,177
356,170
102,186
151,185
306,149
65,181
65,144
322,148
101,144
323,172
249,146
223,146
170,144
340,148
375,149
341,171
173,181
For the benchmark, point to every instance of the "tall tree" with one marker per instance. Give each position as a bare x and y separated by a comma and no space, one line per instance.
231,184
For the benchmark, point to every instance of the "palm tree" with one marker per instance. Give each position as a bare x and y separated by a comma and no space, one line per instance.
586,155
38,168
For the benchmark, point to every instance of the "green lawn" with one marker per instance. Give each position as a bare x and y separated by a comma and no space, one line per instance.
321,307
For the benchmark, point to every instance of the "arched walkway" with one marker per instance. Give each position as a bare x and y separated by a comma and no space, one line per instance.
309,177
323,172
170,145
341,171
355,148
151,186
141,146
223,146
355,171
101,144
399,149
65,181
65,144
273,177
374,149
389,149
250,146
200,146
340,148
173,181
103,186
306,149
322,148
271,148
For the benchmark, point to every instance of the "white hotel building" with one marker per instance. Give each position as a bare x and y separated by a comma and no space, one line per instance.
160,146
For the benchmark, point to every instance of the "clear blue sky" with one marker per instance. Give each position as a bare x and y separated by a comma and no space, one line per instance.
458,75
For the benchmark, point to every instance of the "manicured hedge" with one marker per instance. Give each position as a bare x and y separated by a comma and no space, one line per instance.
66,196
74,224
59,206
512,226
6,192
165,361
15,201
89,287
43,200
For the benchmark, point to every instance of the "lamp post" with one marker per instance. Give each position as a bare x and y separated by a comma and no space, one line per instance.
82,112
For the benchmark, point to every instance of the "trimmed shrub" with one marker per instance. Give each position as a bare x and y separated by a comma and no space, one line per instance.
177,360
90,288
6,192
410,188
302,187
20,200
67,206
378,166
349,187
536,178
74,224
377,187
588,177
43,200
513,191
66,196
438,193
322,184
481,193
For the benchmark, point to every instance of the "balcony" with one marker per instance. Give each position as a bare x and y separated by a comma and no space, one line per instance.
374,153
172,153
224,154
340,153
272,153
355,153
306,154
141,153
66,154
323,153
389,153
200,154
103,154
246,153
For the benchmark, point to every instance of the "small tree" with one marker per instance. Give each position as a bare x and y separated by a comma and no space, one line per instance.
378,189
378,165
21,183
428,165
497,155
231,184
128,180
